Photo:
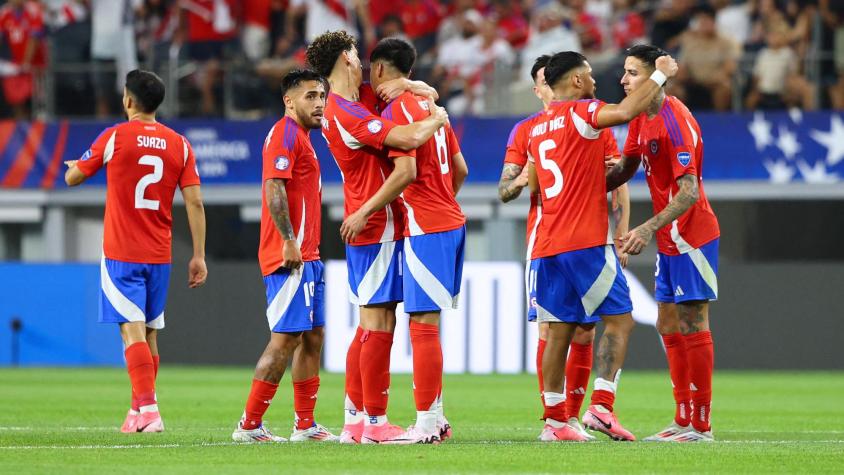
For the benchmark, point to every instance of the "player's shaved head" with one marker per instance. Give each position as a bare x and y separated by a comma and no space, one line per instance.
561,65
322,54
647,54
396,52
540,63
146,89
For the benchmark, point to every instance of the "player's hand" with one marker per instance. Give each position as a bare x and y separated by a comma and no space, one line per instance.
197,272
352,226
439,113
291,255
389,90
623,257
636,240
667,65
70,163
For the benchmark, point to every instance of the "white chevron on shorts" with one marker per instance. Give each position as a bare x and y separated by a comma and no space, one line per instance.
376,273
596,294
284,297
426,279
125,307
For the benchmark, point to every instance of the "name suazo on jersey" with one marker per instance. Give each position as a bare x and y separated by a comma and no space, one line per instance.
670,145
146,162
289,155
517,154
568,154
429,199
355,138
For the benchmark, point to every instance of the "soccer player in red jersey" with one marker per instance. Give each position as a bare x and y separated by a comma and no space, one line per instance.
578,274
434,235
513,179
290,263
145,162
668,140
373,226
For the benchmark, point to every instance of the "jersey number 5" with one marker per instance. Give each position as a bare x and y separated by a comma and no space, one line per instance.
442,149
552,167
157,172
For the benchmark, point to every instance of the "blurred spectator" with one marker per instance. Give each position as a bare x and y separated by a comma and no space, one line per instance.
421,20
392,27
60,13
450,26
777,82
670,20
628,26
586,25
510,22
210,32
156,22
255,36
707,63
548,35
22,26
330,15
732,19
832,18
113,51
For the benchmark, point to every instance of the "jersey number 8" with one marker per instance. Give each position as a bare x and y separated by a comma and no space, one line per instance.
151,178
442,149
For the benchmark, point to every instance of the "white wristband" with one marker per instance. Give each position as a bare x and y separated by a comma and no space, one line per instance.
659,77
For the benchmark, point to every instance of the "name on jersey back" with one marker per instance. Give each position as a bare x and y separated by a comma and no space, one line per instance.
549,126
152,142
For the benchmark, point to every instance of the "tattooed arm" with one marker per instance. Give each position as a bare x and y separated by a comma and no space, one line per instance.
276,195
622,171
621,218
637,239
513,179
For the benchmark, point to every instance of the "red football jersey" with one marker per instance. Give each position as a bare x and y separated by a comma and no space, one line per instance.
288,155
145,161
429,199
671,146
517,153
19,26
355,138
568,152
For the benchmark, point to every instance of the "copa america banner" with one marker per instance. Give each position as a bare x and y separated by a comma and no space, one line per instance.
488,333
775,147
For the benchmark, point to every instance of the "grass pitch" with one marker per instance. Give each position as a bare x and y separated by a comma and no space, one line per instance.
67,420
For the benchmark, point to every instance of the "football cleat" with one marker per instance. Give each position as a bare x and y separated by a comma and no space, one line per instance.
666,435
414,435
257,435
575,424
599,419
130,425
444,428
351,433
314,433
694,436
150,422
559,434
375,434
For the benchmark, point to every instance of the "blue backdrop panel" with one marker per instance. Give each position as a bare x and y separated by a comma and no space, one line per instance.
57,306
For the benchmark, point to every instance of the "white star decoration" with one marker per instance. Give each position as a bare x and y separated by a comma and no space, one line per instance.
780,171
816,174
795,114
832,140
760,129
787,142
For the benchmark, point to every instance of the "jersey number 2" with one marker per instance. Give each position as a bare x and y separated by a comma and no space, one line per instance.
157,172
552,167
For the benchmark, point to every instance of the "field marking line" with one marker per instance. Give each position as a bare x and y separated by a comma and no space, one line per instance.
126,446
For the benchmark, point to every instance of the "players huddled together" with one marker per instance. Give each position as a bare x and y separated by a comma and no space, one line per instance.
404,235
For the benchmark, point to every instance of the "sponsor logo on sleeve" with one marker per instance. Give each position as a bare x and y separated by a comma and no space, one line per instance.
374,126
282,162
684,158
592,106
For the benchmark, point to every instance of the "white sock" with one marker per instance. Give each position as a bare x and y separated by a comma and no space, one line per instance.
426,421
351,414
149,408
555,423
375,420
552,399
602,384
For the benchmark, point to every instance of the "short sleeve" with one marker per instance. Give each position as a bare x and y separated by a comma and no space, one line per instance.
278,156
399,112
610,144
682,141
190,172
517,143
363,126
100,153
631,144
588,109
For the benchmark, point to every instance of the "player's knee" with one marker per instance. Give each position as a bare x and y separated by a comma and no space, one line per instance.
619,324
584,334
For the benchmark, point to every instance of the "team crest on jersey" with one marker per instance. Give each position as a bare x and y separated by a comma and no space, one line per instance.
684,158
654,147
86,155
282,162
374,126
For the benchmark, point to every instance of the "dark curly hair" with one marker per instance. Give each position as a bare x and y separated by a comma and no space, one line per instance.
322,54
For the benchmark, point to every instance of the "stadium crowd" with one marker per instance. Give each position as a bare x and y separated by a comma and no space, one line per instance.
228,56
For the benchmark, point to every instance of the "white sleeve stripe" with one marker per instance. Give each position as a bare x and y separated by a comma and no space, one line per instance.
185,149
585,130
108,153
406,113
